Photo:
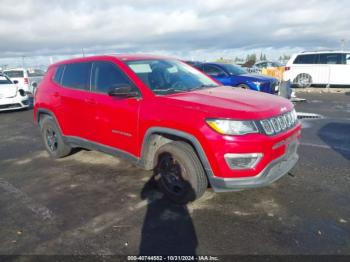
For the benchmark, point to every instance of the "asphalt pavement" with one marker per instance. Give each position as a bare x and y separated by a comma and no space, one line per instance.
93,204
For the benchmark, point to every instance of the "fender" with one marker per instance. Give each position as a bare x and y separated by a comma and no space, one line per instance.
46,112
152,142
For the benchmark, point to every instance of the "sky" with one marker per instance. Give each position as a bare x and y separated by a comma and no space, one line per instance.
42,31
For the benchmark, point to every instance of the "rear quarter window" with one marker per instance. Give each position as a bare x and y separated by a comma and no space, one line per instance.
77,76
306,59
58,74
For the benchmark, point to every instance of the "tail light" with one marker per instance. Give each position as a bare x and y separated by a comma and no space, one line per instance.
26,81
286,68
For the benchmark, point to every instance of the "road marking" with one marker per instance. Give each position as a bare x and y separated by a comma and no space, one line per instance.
28,202
325,146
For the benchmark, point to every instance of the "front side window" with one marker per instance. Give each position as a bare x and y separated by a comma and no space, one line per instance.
332,59
4,80
77,76
306,59
169,76
106,76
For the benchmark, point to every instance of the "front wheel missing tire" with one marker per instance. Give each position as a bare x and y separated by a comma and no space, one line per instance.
179,173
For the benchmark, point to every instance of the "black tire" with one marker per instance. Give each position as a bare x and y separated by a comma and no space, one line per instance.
52,138
303,80
191,178
243,86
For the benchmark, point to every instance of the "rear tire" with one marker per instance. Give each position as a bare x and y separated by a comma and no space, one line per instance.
179,173
52,138
303,80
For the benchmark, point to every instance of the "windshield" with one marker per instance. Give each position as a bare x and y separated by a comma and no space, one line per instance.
14,73
169,76
4,80
234,70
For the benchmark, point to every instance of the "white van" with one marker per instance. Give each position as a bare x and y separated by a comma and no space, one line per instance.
318,68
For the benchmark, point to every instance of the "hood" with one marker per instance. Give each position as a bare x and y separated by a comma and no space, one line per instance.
8,90
230,102
256,77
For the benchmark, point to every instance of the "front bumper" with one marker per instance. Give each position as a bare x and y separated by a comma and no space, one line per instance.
15,103
274,171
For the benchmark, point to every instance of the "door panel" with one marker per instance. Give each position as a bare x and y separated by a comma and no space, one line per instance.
76,104
116,118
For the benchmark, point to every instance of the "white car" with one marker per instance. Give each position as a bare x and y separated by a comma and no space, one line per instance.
318,68
11,96
28,79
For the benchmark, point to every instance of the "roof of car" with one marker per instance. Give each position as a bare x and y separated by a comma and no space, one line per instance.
14,69
121,57
324,51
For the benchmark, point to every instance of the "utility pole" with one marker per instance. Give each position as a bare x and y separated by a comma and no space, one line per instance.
342,44
23,61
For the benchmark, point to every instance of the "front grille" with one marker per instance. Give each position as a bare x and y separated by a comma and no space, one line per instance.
8,106
279,124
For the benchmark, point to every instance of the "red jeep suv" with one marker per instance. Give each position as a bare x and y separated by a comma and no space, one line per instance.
167,116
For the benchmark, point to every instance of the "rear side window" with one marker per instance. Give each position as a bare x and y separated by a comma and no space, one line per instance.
106,75
332,59
58,74
14,73
306,59
77,76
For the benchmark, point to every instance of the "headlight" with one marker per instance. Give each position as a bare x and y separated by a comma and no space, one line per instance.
232,127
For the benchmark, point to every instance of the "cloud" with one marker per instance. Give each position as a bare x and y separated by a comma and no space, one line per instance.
40,27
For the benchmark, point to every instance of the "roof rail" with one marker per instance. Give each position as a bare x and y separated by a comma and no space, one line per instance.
326,50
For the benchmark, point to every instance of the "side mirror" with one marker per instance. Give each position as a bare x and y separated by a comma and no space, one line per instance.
15,82
34,85
123,91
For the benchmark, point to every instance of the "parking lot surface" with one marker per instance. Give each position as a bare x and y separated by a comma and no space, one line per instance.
92,203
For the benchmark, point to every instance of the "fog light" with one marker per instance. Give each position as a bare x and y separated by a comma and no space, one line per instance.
243,161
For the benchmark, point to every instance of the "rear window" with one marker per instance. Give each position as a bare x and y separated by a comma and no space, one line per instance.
77,76
306,59
35,72
14,73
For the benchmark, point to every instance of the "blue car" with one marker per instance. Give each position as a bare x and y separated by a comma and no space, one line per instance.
231,75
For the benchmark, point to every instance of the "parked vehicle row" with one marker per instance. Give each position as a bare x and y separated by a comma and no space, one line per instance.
11,96
28,79
167,116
